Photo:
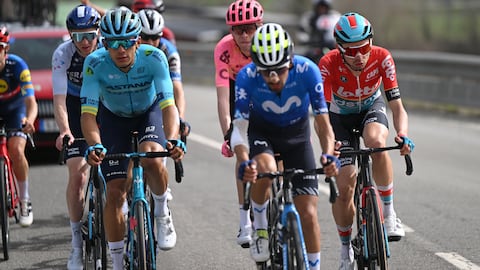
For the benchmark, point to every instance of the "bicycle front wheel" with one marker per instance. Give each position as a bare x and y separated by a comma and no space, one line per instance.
375,233
4,207
100,244
144,255
296,258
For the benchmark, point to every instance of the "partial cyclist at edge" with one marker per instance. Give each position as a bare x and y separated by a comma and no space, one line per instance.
353,75
67,65
231,53
138,5
316,25
128,87
273,96
19,109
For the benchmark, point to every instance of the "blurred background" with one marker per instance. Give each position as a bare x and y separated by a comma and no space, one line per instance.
426,25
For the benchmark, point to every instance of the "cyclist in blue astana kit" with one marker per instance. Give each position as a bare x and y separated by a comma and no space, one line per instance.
67,65
18,108
272,99
129,86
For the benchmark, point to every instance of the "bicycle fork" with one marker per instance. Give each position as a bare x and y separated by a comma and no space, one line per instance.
364,220
289,207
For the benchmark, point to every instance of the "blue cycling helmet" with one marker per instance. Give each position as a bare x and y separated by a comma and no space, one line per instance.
120,23
82,17
352,27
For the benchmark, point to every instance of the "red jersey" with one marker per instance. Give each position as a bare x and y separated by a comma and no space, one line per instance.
348,93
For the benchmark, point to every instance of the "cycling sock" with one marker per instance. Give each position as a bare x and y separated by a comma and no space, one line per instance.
161,206
314,260
23,190
77,241
345,234
386,194
260,215
116,252
245,217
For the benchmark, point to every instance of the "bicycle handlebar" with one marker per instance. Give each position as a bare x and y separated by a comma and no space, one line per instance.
369,151
334,193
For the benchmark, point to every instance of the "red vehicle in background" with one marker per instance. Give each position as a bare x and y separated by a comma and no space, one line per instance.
36,46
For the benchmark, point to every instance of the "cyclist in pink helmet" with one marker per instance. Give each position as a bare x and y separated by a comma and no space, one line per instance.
231,53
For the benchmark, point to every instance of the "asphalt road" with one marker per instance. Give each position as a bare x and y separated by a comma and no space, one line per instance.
438,204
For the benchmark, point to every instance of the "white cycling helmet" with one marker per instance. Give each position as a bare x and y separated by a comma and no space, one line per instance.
152,22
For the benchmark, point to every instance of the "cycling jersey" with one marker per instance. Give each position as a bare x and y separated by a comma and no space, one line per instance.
126,94
15,84
169,35
228,61
173,58
303,88
67,65
348,93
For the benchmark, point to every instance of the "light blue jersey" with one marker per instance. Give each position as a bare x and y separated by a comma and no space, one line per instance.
126,94
304,87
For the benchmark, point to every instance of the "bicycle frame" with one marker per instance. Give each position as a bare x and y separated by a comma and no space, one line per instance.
135,217
365,190
13,200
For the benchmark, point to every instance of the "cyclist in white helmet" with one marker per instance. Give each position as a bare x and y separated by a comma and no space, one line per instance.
272,100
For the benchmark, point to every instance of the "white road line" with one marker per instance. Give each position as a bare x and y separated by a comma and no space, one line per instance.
457,260
451,257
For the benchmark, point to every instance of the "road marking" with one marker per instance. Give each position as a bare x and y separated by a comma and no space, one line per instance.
458,261
451,257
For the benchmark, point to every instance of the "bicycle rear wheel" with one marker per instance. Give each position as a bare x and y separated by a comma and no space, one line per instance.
296,258
4,207
375,233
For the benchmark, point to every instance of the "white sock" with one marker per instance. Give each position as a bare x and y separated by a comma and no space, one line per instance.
23,190
77,241
260,215
314,260
161,206
116,252
245,217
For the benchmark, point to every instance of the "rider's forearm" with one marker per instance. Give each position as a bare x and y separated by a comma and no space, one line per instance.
60,112
170,122
223,108
325,134
179,98
32,109
90,130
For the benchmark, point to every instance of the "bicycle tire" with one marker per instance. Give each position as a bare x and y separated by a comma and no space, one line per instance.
296,258
140,236
358,241
274,232
89,257
375,233
4,208
100,244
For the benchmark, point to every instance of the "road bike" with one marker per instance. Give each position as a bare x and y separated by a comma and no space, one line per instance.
286,241
141,243
371,243
93,228
9,198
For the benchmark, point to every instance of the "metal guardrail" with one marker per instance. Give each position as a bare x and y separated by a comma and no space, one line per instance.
427,79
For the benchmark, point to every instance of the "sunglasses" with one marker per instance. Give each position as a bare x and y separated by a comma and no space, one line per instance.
149,37
247,28
273,72
353,51
3,45
116,43
79,36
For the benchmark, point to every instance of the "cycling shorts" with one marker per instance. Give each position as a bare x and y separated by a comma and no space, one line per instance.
13,121
116,136
294,146
78,147
343,124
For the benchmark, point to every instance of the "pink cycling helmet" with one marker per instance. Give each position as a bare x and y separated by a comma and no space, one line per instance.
244,12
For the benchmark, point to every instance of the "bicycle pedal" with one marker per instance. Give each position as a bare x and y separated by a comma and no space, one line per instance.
245,245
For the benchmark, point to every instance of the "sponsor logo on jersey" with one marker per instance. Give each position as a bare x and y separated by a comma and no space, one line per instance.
240,94
269,105
25,76
89,71
128,86
3,86
389,67
257,142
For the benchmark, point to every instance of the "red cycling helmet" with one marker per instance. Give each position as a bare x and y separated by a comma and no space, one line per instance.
138,5
244,12
4,36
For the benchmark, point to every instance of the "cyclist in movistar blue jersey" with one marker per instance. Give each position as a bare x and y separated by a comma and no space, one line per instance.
67,65
129,86
18,108
272,99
